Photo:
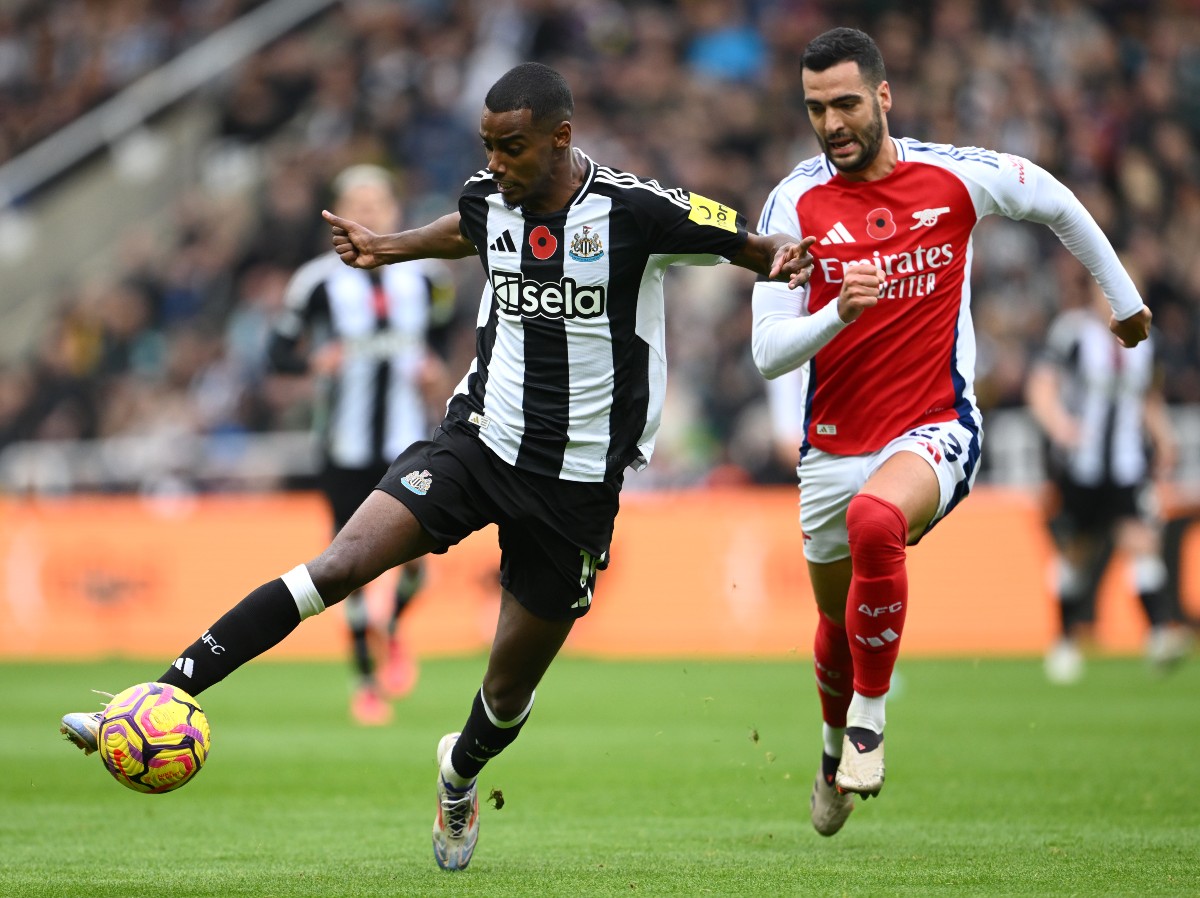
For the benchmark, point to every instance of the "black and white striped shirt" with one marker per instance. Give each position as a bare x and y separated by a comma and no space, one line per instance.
570,368
372,408
1103,386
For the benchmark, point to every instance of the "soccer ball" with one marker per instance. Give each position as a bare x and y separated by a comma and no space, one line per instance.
153,737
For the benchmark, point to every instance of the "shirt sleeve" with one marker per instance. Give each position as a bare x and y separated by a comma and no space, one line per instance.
784,335
690,228
443,297
304,299
779,217
472,210
1061,349
1022,190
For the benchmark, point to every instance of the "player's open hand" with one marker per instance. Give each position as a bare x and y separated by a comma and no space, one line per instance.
794,262
1133,330
352,242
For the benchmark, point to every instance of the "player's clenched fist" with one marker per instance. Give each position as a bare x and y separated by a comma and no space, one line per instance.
862,286
1133,330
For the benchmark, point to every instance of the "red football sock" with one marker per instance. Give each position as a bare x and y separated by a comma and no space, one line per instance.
834,670
878,597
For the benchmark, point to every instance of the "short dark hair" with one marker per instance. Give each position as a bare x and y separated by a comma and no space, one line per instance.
843,45
536,87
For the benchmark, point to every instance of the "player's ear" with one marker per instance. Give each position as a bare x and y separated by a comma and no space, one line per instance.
561,135
884,93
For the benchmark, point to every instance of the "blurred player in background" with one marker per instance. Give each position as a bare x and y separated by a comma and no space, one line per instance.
893,431
1101,410
565,392
366,336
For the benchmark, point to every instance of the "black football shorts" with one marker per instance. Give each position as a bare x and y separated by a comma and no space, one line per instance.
554,534
1094,510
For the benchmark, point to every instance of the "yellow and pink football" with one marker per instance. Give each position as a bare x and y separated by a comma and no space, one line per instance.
154,737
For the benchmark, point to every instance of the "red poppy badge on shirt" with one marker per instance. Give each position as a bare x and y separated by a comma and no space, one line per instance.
880,223
542,242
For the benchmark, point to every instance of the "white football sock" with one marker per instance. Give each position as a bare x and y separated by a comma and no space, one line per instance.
452,776
832,739
304,592
867,712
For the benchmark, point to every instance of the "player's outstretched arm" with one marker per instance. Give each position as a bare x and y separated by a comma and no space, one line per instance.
360,247
777,257
1039,196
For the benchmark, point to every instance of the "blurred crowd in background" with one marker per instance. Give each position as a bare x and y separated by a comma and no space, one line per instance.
702,94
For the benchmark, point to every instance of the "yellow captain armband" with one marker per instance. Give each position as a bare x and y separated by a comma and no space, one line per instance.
710,212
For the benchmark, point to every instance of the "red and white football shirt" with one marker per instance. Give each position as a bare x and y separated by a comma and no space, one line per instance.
910,360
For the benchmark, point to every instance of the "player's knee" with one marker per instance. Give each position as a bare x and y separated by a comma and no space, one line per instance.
877,530
336,573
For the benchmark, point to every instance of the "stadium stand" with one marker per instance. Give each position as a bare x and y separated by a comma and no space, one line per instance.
158,333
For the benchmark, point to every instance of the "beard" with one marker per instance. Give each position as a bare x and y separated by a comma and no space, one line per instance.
871,139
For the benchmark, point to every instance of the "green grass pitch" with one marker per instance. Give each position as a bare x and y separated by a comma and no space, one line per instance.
664,778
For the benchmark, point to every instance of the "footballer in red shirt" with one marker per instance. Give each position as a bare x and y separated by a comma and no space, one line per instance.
892,430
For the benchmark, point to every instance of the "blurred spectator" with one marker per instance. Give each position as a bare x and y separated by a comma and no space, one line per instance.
58,59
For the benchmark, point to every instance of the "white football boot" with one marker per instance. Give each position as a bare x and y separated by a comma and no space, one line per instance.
82,728
1064,663
456,826
1167,646
861,769
829,807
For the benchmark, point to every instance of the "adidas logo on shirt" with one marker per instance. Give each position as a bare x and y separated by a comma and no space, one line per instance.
504,244
837,234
